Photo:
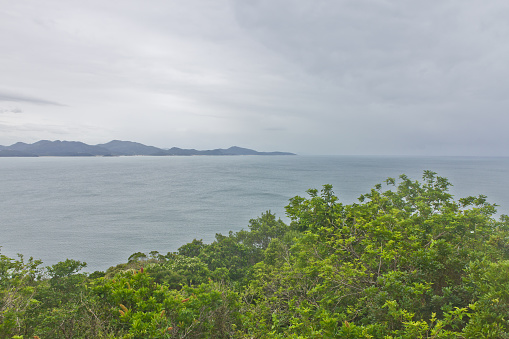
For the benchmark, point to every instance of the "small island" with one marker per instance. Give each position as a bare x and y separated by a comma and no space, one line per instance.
113,148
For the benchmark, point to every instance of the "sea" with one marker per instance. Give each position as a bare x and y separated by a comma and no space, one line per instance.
100,210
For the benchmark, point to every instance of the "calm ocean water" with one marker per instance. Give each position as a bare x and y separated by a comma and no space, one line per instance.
101,210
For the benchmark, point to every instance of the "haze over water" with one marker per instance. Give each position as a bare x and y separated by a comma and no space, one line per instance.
103,209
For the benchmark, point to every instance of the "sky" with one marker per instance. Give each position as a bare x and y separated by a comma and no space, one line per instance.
334,77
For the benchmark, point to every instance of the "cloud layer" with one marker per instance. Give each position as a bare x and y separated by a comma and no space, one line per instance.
320,77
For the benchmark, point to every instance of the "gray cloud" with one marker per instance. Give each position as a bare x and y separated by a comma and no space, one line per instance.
395,66
344,77
11,110
12,97
393,51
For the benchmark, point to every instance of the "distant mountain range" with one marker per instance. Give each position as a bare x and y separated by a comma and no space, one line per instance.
113,148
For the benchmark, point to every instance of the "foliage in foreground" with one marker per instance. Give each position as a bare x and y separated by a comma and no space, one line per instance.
409,262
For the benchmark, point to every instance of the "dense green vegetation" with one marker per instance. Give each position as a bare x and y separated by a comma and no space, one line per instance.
407,262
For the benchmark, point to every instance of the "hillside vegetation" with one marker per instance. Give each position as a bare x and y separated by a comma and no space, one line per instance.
406,261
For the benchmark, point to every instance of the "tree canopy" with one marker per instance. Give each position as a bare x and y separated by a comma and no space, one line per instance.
407,261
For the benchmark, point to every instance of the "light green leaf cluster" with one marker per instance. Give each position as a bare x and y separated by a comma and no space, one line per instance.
396,265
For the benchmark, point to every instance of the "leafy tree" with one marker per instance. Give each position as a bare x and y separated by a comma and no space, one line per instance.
262,230
18,280
179,271
64,307
232,257
141,308
138,256
191,249
227,253
393,265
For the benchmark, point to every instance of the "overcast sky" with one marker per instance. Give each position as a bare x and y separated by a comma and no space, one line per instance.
311,77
